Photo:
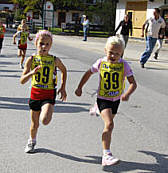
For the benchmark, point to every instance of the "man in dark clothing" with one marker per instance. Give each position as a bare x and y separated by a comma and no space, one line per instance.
126,25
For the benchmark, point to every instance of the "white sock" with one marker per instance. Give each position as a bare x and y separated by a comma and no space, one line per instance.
106,151
33,140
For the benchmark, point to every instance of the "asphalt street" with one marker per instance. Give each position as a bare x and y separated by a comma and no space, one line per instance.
71,143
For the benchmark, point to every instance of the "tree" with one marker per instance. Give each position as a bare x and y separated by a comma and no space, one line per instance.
105,10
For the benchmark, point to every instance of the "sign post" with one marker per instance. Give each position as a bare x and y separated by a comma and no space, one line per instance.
48,11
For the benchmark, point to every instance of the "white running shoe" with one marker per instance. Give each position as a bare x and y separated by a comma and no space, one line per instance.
30,147
21,66
94,110
109,159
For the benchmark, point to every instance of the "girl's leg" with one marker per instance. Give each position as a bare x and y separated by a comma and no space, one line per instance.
108,158
46,113
23,56
19,52
33,131
1,41
35,115
107,117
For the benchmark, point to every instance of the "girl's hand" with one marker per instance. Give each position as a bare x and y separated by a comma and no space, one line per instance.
63,94
34,71
125,97
78,92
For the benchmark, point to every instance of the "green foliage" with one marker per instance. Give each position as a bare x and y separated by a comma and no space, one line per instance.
105,11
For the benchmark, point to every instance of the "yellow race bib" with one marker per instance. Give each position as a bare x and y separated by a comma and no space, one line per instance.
43,79
111,79
23,39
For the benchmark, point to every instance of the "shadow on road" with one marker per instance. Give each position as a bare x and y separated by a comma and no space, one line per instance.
156,68
69,109
14,76
76,107
14,103
159,60
93,160
10,71
72,103
22,104
161,165
7,63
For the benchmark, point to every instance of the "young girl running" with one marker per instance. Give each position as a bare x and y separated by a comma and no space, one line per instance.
112,72
40,67
22,42
2,31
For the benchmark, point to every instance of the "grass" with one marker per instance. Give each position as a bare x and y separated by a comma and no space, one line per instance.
59,31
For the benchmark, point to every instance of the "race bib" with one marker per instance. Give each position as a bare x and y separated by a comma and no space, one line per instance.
111,79
44,77
23,38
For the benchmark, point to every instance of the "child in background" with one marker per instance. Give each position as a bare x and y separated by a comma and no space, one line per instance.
23,35
112,72
40,68
23,22
2,31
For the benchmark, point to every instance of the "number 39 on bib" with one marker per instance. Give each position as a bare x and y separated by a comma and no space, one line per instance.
111,79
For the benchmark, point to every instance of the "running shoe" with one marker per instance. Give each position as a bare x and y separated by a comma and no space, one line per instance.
30,147
21,66
155,56
94,110
109,159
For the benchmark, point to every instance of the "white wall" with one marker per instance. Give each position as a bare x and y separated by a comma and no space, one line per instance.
68,17
120,12
152,5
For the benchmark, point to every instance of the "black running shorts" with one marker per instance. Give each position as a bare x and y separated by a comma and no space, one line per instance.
104,104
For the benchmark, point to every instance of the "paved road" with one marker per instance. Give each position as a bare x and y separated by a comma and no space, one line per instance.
72,141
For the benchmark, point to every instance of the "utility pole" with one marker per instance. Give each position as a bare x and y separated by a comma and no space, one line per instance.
43,14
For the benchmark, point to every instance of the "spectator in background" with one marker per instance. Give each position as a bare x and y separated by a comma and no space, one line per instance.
126,28
155,24
2,31
159,45
85,27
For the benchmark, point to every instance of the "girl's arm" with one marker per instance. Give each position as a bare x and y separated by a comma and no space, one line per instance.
14,37
131,88
27,72
62,68
84,79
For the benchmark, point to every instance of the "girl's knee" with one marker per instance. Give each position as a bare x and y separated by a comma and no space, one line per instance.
34,126
46,120
109,125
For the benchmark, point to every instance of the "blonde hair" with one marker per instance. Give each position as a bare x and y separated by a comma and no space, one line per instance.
43,33
115,40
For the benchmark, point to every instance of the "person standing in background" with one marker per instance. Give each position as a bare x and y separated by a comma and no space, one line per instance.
126,28
155,24
2,31
85,24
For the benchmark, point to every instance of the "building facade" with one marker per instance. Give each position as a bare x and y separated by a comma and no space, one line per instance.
139,11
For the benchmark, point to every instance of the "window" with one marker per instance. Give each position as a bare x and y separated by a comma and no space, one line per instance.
75,16
36,15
